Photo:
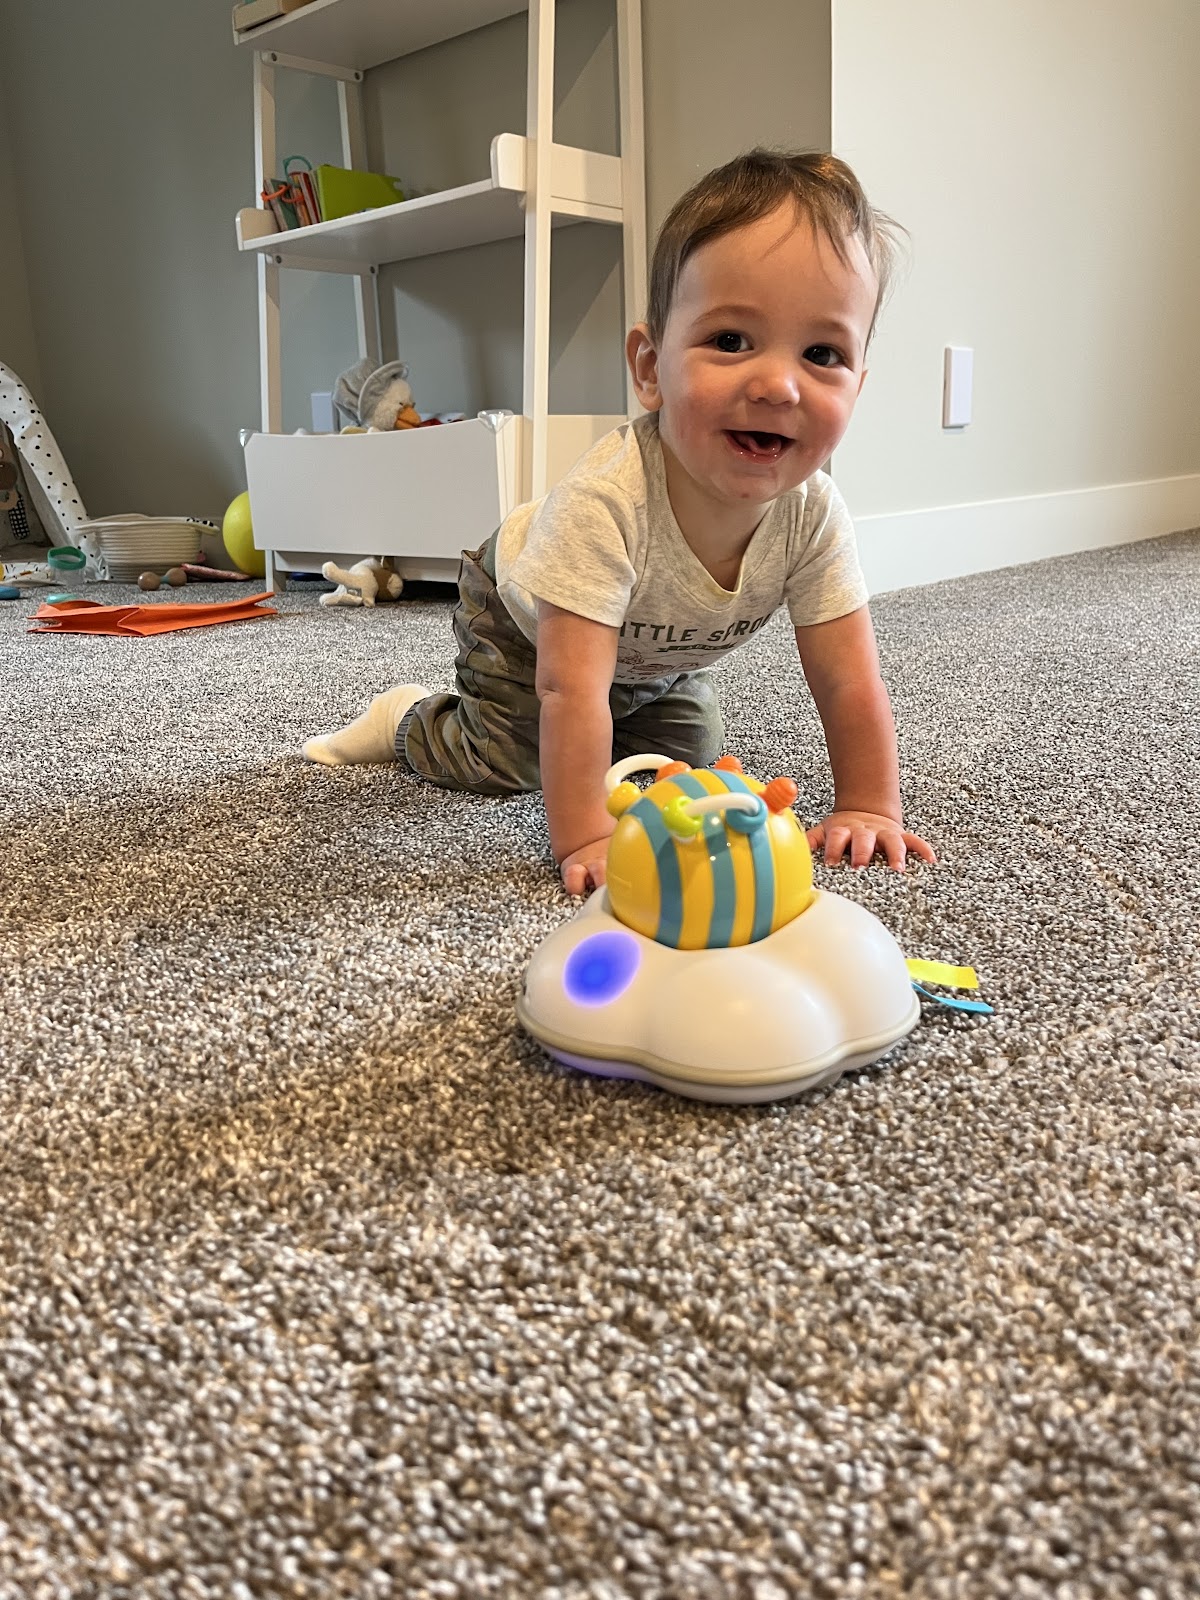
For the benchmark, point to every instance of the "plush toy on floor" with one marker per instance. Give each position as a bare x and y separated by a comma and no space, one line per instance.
362,584
708,964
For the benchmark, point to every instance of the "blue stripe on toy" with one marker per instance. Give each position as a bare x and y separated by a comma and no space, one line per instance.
720,923
763,861
692,787
670,885
764,882
733,781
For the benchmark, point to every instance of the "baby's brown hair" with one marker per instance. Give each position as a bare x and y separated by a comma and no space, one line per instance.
750,187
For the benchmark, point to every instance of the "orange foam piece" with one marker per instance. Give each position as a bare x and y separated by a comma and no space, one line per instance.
92,616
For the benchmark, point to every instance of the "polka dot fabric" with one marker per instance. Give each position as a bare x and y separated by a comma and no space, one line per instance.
47,488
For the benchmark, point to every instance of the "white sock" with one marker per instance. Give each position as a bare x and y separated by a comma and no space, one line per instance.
370,737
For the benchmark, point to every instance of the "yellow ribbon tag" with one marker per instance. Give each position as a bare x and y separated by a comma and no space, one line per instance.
942,973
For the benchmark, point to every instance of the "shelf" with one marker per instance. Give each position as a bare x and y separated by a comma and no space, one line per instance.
474,214
586,186
359,34
315,495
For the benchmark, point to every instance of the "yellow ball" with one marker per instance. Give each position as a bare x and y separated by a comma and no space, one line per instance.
238,534
622,797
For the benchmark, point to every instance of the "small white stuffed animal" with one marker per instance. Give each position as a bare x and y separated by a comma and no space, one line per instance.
359,584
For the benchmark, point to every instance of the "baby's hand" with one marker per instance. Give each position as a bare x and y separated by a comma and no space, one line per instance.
865,835
583,870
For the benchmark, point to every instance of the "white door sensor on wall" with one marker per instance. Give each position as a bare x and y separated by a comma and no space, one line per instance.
956,386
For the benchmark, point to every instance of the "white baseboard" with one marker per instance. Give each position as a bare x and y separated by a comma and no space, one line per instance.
901,549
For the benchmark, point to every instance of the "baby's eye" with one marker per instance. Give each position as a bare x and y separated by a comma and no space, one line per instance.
728,341
822,355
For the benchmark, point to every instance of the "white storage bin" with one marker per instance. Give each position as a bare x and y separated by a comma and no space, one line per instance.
420,495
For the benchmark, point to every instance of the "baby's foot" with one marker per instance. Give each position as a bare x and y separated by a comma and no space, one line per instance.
371,736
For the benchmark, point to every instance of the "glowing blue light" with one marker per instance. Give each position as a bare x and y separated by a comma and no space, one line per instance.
601,968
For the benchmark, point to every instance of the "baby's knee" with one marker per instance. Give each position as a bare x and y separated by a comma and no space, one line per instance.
448,741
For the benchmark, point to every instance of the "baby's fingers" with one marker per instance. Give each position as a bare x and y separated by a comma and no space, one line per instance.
863,844
890,843
837,839
919,847
581,877
896,846
575,878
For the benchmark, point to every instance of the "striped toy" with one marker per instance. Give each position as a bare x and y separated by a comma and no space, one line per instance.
705,857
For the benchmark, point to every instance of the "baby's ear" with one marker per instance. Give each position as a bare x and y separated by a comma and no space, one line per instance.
643,366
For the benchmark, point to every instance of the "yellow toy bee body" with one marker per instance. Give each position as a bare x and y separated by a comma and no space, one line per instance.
724,882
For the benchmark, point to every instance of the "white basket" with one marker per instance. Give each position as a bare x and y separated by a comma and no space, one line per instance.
133,544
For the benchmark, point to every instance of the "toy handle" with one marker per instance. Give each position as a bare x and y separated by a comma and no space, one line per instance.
620,771
725,802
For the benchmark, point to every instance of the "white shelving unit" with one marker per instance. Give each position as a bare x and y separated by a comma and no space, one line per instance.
421,495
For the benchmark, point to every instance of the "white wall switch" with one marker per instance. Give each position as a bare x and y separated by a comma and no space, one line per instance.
956,386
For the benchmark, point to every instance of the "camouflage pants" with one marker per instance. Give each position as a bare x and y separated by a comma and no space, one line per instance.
484,736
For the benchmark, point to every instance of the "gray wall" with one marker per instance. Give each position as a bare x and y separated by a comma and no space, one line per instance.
131,149
131,129
720,78
18,348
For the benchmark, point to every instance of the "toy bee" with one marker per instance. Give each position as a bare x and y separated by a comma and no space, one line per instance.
705,857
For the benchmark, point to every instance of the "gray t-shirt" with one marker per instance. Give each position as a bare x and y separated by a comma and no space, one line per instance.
605,545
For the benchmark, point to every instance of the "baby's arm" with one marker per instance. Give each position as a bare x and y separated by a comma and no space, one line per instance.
576,659
841,664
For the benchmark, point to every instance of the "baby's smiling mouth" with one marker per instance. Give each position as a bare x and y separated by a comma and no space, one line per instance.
759,446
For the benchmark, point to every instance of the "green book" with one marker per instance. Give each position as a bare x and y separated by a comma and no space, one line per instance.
342,191
280,199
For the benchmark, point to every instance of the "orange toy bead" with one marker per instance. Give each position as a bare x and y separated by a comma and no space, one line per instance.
728,764
780,794
671,770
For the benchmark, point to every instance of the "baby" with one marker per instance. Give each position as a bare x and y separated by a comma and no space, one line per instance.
586,622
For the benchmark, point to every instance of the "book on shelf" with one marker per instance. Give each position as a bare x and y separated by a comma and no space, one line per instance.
284,204
299,173
303,197
344,191
253,13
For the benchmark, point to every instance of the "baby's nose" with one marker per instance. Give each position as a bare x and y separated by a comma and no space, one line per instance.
775,381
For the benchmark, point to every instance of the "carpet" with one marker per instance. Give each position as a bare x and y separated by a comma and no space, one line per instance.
317,1278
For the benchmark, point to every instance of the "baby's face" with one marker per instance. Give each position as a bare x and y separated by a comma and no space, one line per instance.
762,359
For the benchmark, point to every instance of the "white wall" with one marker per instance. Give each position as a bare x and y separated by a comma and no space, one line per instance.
1046,160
